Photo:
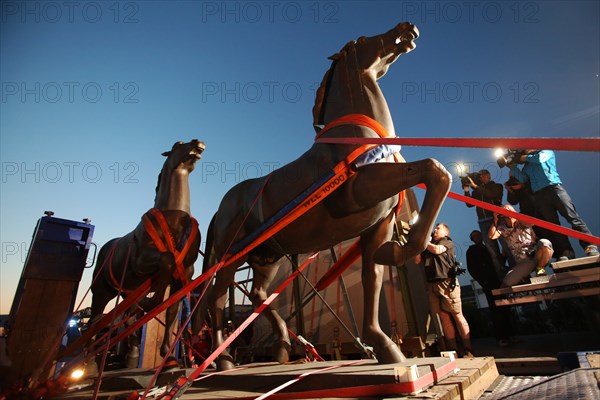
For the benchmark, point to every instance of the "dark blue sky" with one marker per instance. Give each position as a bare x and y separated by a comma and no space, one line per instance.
93,92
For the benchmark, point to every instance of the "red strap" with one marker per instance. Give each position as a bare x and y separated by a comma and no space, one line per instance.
170,246
525,218
316,371
366,121
184,382
340,266
567,144
113,279
354,119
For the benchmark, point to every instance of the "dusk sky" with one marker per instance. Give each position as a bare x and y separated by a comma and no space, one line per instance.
93,92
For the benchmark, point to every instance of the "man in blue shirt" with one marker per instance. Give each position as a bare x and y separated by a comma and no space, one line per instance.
551,197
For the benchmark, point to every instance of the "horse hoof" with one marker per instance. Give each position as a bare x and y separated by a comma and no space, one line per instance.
283,352
133,357
224,363
164,350
390,354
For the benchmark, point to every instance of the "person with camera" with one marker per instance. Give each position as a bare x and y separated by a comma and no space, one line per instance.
530,253
551,198
486,190
479,265
443,290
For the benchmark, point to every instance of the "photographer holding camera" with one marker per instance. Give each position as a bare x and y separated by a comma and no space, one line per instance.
551,198
485,189
529,252
443,291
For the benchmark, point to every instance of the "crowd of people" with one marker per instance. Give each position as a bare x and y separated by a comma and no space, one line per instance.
505,250
535,186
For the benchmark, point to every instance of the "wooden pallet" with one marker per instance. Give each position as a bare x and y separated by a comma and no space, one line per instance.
444,378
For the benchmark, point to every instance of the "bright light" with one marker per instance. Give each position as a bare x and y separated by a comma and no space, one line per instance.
77,373
72,323
498,153
461,169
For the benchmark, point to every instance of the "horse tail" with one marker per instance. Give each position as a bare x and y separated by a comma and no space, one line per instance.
204,290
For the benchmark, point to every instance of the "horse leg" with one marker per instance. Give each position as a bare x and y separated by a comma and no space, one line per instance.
386,350
167,265
217,300
170,324
378,181
102,293
132,358
166,262
261,279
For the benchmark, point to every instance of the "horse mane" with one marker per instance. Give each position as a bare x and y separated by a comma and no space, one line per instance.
158,182
322,90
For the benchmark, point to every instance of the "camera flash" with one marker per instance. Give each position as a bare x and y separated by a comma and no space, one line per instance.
499,153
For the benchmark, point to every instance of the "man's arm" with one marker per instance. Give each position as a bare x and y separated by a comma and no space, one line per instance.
517,173
493,232
467,192
436,248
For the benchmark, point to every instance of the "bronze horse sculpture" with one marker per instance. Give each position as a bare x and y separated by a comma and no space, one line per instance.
163,247
363,206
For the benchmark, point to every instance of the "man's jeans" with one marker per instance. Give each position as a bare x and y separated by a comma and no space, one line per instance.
553,199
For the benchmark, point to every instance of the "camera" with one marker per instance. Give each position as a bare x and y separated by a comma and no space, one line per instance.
475,176
512,181
454,271
510,157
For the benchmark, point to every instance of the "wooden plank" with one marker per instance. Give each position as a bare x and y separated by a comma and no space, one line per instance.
528,366
595,291
560,266
556,280
474,377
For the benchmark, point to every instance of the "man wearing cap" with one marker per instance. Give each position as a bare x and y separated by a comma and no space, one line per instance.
490,192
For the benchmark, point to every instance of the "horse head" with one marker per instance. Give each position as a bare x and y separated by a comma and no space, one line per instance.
172,190
367,58
183,156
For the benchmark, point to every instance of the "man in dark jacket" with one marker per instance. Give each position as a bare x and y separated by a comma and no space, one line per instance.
488,191
479,264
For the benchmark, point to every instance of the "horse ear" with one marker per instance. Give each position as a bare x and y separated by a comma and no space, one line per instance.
166,154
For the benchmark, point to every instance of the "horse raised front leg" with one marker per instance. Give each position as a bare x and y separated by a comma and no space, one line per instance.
262,278
385,349
437,182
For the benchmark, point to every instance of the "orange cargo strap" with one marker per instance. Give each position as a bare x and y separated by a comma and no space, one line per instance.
168,245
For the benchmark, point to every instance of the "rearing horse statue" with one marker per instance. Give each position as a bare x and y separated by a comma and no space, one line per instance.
163,247
363,206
